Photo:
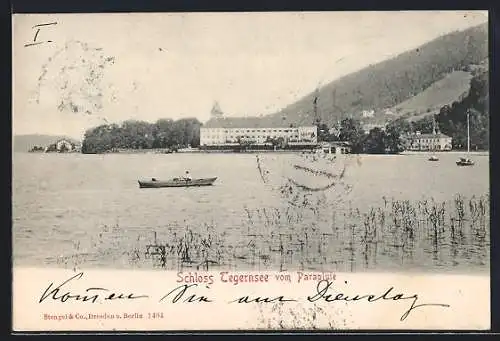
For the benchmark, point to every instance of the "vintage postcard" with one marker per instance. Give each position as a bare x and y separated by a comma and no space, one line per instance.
251,171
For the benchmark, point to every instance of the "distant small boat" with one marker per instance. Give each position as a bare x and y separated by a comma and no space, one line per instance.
176,182
433,158
465,162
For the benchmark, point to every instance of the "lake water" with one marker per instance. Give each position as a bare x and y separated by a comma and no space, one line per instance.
374,213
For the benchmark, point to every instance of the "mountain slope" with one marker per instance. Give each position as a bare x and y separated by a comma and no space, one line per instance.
391,82
452,87
23,143
451,119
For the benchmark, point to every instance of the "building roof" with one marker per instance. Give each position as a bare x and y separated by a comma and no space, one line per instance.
246,122
428,136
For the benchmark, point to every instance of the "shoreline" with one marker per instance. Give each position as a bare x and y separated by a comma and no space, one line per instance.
453,152
146,151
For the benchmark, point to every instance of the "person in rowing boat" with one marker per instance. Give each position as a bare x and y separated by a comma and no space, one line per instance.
187,177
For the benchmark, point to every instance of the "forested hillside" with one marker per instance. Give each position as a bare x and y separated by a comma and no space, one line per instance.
391,82
452,87
452,119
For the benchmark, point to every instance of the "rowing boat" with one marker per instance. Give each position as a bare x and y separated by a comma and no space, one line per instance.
176,182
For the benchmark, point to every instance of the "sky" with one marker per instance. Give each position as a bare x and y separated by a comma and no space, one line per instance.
82,70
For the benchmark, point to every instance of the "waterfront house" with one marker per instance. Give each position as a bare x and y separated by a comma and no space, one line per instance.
64,145
425,142
335,147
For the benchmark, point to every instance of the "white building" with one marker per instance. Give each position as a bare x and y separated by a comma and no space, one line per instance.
421,142
255,130
233,136
368,113
64,144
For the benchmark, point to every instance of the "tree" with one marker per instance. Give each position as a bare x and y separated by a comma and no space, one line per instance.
281,142
63,148
324,133
351,131
134,134
164,130
374,142
424,125
392,140
452,120
401,125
